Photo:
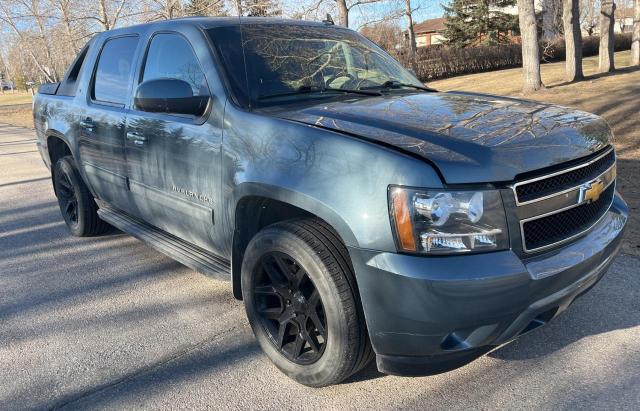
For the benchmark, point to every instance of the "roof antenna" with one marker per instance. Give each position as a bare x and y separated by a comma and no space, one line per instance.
328,20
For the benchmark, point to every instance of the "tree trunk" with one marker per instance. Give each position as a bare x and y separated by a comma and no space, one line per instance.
12,23
607,21
572,39
104,17
39,18
65,13
530,51
635,39
239,10
412,34
343,13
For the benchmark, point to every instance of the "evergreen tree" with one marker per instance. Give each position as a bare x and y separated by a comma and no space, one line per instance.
205,8
471,22
262,8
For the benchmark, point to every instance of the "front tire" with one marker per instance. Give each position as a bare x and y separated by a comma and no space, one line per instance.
78,208
302,302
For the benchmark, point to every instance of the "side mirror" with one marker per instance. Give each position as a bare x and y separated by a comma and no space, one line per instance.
168,95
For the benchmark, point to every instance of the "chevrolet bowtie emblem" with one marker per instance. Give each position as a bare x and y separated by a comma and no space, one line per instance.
590,192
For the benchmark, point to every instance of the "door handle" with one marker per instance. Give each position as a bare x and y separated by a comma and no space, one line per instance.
136,137
87,124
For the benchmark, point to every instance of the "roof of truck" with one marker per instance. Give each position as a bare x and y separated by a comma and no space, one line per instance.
211,22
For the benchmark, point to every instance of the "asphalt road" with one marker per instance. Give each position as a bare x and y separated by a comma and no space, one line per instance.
109,323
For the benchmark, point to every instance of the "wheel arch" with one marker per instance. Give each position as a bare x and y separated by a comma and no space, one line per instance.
265,205
57,147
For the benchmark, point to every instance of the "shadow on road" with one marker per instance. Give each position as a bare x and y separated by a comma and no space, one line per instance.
33,180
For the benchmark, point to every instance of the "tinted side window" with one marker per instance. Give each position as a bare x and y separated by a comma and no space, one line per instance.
114,70
69,85
171,56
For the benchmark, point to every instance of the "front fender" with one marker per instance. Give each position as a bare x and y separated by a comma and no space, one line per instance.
339,178
300,200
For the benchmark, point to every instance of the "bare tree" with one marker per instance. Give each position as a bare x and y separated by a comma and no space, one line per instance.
589,15
262,8
109,11
164,9
205,8
635,39
343,7
343,12
238,7
412,34
25,17
5,70
572,39
385,34
607,21
552,22
530,51
624,11
68,18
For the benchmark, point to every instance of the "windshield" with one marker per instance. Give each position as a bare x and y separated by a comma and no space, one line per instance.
287,62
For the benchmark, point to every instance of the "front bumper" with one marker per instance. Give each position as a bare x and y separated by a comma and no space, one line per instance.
431,314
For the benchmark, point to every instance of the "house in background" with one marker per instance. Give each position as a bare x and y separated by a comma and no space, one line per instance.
428,32
624,19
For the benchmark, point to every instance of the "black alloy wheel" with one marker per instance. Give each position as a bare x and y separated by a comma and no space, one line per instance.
68,199
77,205
301,301
290,308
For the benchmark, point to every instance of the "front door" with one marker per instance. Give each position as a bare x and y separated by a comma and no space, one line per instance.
173,160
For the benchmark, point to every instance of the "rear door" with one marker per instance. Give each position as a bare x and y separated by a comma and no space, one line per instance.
101,125
173,161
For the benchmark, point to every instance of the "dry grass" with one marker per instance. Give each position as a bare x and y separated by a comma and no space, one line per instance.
509,81
17,115
19,97
614,96
15,108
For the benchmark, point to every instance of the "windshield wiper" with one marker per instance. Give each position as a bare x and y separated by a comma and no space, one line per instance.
315,89
397,84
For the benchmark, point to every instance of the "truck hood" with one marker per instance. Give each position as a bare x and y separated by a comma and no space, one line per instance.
470,138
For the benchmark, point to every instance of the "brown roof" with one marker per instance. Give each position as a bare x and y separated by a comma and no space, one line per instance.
430,26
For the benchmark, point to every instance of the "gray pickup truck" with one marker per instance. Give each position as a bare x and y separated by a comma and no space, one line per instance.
358,213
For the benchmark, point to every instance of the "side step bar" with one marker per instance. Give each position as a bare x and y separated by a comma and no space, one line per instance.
188,254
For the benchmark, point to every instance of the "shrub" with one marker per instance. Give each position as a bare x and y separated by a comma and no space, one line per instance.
443,61
440,61
590,46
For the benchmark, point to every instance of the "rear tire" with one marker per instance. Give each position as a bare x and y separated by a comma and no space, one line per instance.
287,267
78,208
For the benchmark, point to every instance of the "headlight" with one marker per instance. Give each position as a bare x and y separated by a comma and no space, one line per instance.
444,222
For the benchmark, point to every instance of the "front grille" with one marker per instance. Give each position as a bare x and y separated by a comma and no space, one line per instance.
553,184
565,224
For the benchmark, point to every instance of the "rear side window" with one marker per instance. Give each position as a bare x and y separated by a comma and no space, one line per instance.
69,85
114,70
171,56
